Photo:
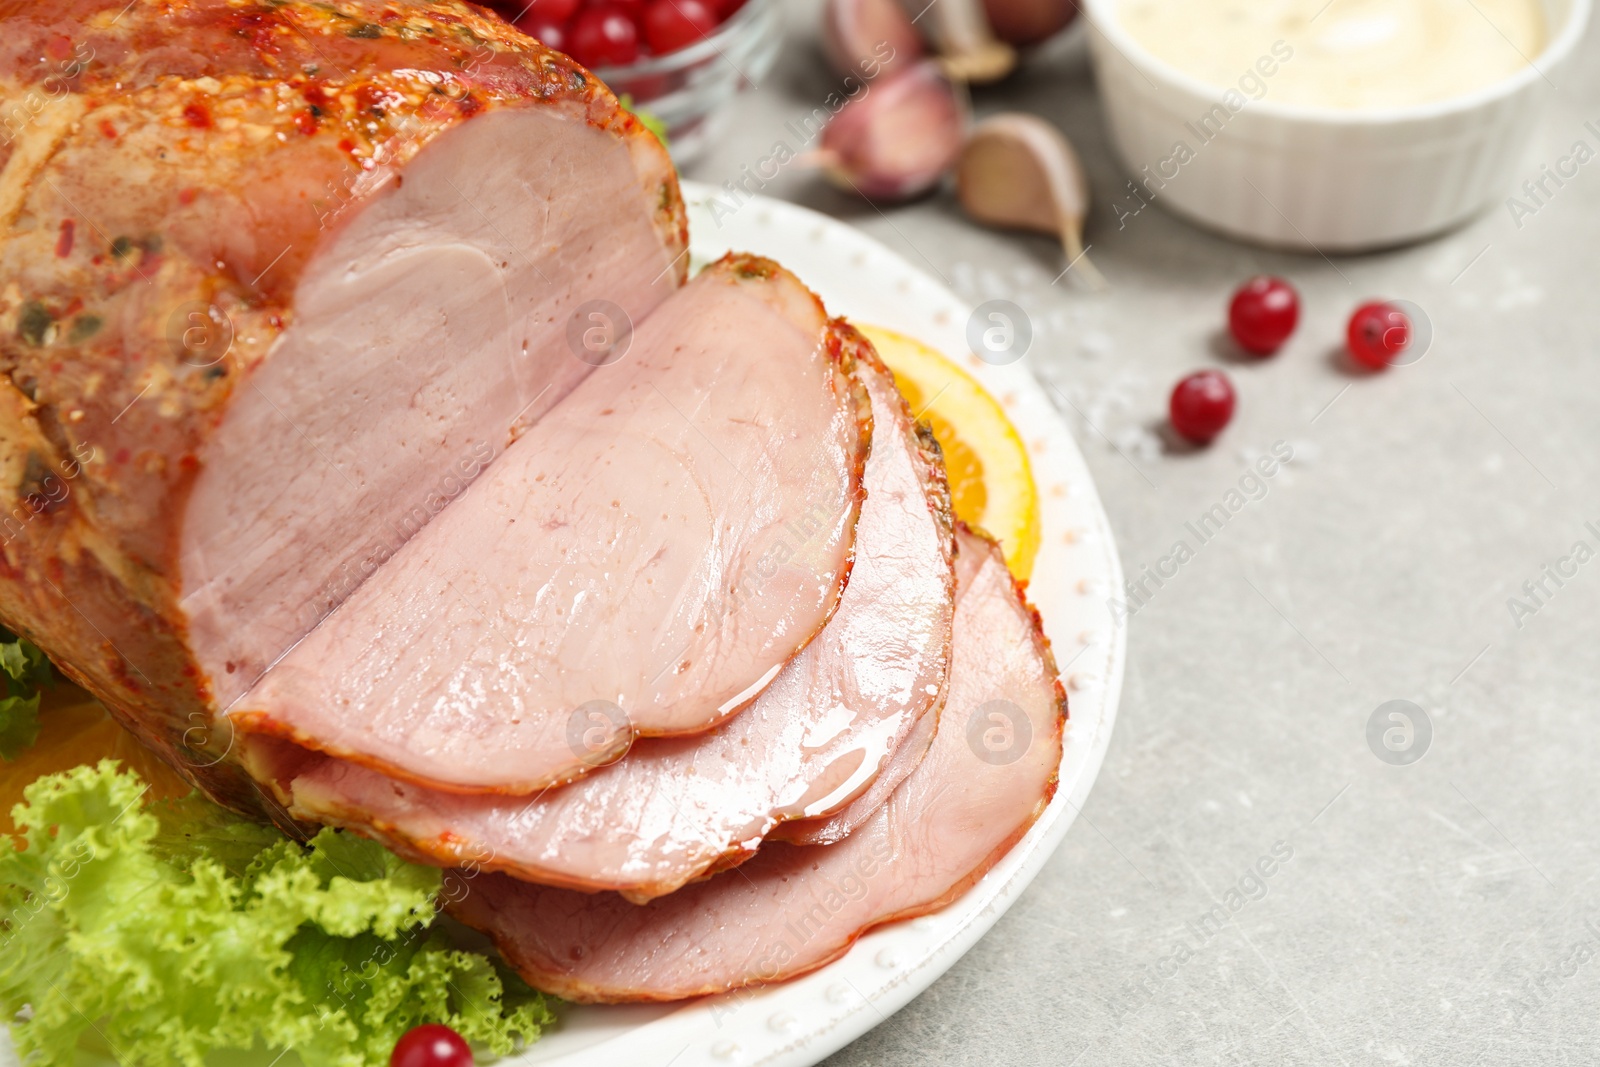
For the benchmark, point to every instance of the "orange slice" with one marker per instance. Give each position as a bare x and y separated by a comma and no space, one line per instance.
991,481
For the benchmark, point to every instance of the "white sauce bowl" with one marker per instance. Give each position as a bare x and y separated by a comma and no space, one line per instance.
1310,177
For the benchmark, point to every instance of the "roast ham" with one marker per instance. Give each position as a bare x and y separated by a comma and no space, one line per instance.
285,281
280,279
366,452
642,561
815,738
989,774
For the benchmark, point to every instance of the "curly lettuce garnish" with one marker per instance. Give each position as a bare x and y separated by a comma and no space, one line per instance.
171,930
24,669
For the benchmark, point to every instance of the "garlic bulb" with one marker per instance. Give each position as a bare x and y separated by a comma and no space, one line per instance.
869,38
897,139
959,31
1025,22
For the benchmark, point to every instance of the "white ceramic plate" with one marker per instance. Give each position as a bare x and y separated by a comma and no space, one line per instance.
799,1023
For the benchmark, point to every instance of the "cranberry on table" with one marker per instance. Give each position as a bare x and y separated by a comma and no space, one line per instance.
603,36
1263,314
1378,333
1202,404
673,24
431,1045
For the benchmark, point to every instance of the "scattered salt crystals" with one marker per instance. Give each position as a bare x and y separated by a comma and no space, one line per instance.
992,287
1095,344
1515,292
1138,443
1306,452
1521,296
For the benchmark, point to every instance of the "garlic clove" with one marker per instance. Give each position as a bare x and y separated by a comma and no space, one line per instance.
1026,22
1019,172
959,31
869,38
897,139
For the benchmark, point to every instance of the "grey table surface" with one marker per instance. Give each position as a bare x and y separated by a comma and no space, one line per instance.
1445,912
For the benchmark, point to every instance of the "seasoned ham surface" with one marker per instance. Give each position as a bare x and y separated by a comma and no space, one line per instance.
280,279
991,771
673,808
644,560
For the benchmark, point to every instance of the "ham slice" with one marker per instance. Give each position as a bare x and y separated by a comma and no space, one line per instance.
830,827
991,771
279,281
816,737
644,560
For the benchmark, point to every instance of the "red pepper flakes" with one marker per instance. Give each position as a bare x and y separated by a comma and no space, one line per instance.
121,456
316,96
64,241
108,131
470,105
189,463
186,195
197,115
305,122
347,146
74,306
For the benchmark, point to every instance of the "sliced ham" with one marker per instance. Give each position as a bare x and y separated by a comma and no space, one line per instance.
279,280
991,771
644,560
829,827
814,739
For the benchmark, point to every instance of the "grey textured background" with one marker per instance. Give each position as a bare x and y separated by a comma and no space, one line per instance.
1431,914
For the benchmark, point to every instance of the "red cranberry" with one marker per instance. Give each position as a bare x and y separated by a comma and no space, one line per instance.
673,24
603,36
1263,314
547,32
431,1045
1202,404
1378,333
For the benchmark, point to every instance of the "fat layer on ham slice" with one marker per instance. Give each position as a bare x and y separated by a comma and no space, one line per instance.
991,771
812,740
644,560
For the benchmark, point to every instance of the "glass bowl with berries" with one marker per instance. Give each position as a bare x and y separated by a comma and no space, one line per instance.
680,62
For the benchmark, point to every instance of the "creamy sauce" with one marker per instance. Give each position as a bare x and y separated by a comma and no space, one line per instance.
1348,54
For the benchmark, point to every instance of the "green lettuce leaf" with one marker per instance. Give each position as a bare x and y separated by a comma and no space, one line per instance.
24,669
176,929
